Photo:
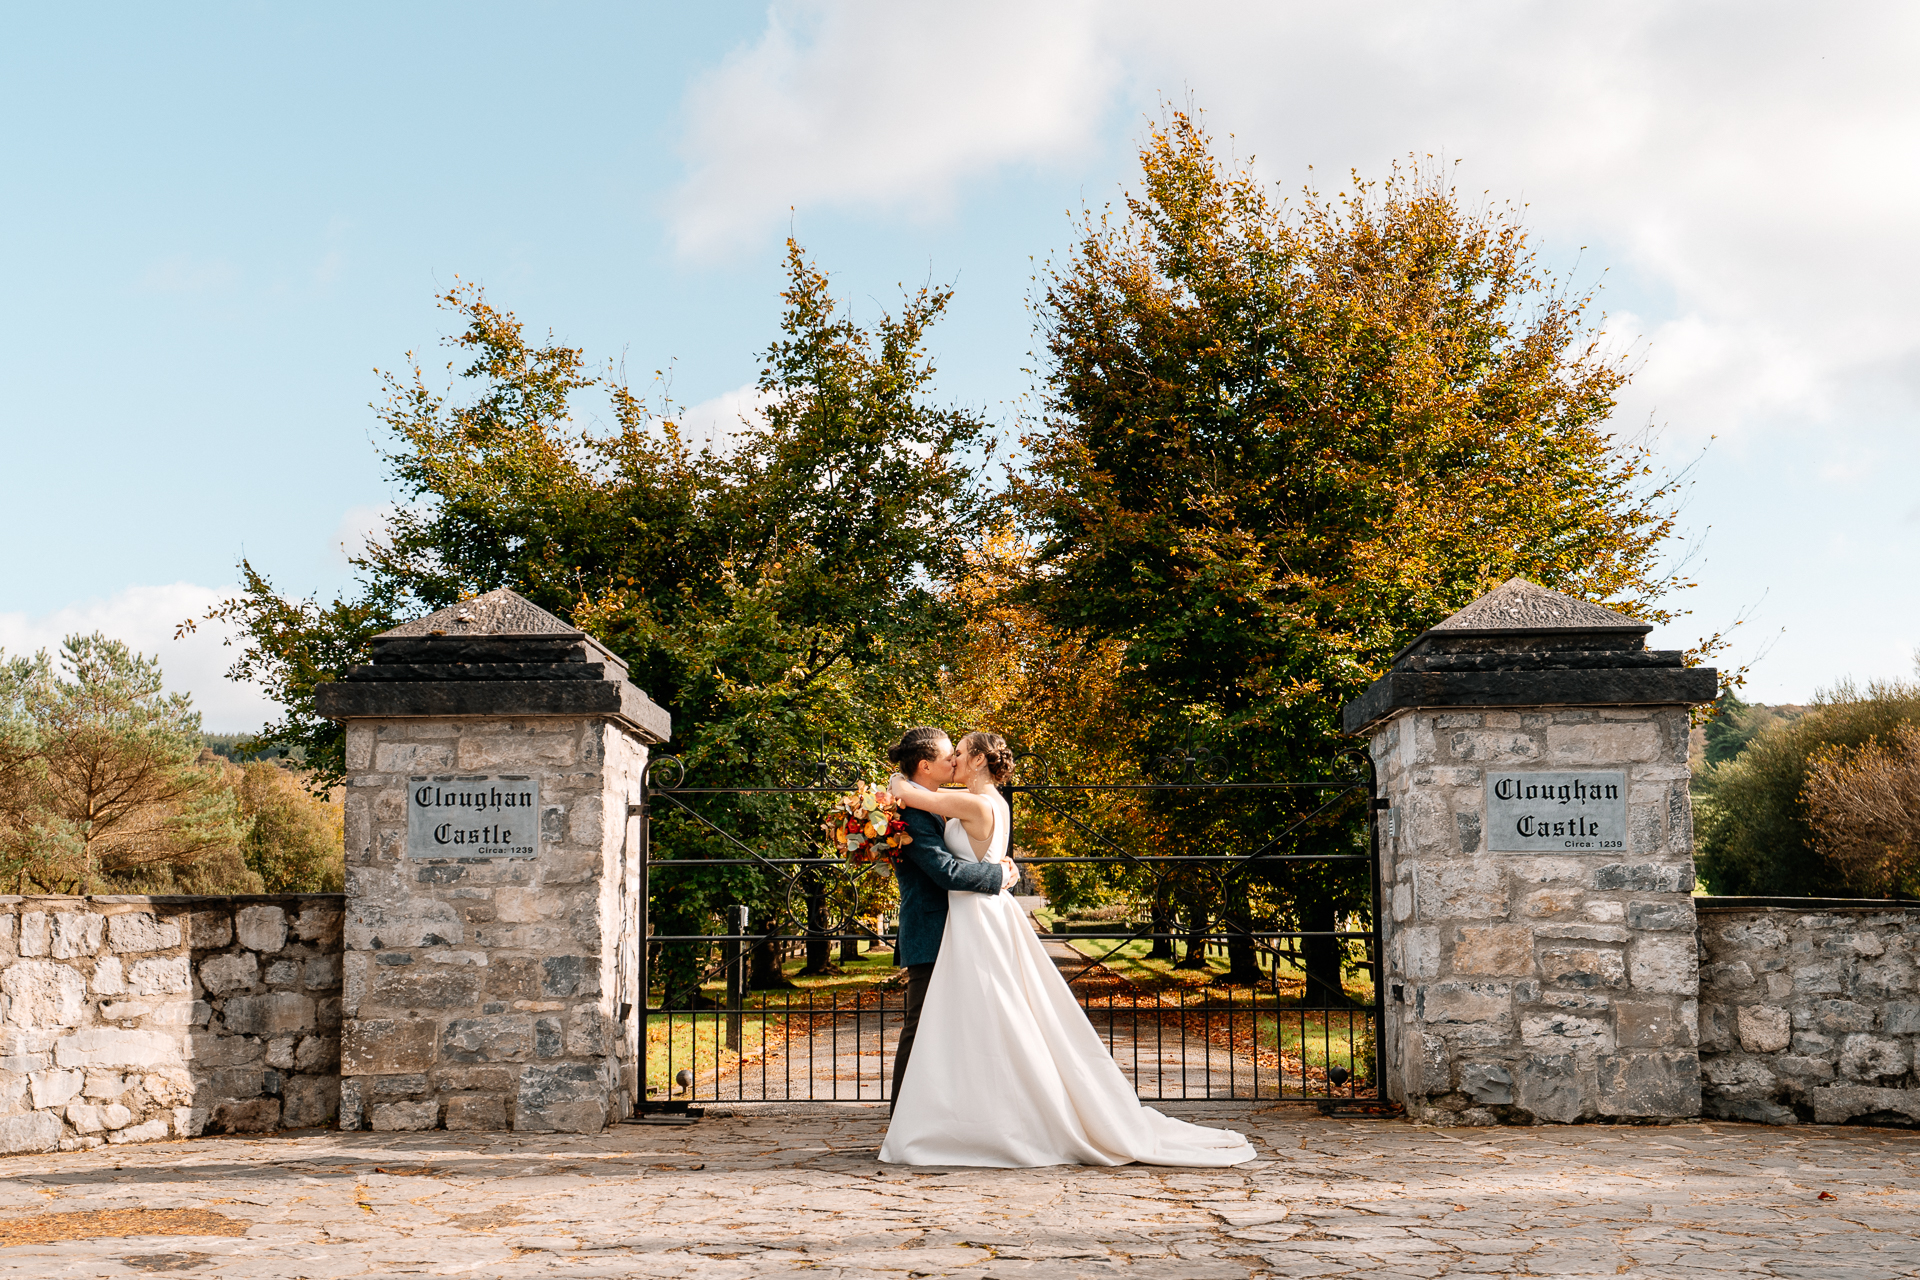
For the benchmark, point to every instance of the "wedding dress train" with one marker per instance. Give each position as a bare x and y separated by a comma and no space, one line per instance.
1007,1072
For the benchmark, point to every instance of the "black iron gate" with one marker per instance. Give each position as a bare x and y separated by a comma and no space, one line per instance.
727,1018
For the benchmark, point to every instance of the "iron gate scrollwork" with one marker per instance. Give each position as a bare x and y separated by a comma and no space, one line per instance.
1234,872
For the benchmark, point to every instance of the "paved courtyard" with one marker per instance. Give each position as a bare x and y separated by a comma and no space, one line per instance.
769,1192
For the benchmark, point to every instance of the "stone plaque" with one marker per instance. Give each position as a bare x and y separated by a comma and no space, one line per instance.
1551,812
458,816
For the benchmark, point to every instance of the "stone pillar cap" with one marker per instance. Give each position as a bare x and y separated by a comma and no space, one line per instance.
498,654
1524,645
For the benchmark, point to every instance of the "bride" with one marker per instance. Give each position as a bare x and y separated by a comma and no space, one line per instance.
1006,1070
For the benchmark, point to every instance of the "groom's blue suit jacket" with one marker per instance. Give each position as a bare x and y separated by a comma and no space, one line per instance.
926,873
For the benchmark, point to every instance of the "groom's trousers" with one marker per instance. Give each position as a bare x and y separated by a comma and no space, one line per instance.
919,976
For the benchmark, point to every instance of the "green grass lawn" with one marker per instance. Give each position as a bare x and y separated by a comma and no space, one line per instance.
1131,962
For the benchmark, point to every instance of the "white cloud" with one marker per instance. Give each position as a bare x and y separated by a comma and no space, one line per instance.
716,424
1749,170
874,102
357,526
145,619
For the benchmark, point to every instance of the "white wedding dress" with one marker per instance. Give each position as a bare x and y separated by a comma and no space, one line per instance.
1006,1070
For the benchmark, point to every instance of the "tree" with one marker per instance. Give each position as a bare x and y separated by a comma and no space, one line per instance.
1281,441
1864,807
295,842
101,786
779,597
1754,831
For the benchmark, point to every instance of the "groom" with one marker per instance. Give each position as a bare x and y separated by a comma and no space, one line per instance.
927,758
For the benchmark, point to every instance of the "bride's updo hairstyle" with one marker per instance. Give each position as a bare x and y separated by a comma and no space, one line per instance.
994,748
916,746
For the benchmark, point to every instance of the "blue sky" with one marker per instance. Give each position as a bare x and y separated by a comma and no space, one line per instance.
221,220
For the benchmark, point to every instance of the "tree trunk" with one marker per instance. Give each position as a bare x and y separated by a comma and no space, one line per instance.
1321,957
764,973
1162,948
1196,957
1243,966
819,945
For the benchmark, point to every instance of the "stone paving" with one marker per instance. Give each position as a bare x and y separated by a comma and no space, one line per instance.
792,1191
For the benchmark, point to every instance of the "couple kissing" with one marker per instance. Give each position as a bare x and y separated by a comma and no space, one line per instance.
997,1065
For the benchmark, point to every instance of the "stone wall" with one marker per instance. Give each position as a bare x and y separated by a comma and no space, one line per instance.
1809,1010
130,1019
487,994
1528,986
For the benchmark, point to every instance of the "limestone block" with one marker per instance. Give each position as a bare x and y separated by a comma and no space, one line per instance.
1873,1058
210,929
1402,902
1420,952
1727,977
1492,747
1834,1017
1650,1084
1667,914
1813,1043
117,1047
28,1132
391,922
1457,891
249,1115
1603,743
155,976
514,747
1668,964
1648,1023
1646,877
218,1049
322,973
1828,977
1464,1002
154,1130
167,1088
274,1013
1739,1076
36,934
77,934
1565,872
586,1033
1583,931
1765,1028
379,1046
318,922
1792,1064
1837,1104
105,1084
44,994
413,757
1751,1110
562,1098
318,1054
1565,1032
1549,1087
56,1088
88,1118
1762,934
1496,950
139,931
501,1038
484,1112
261,927
1551,902
1606,912
493,1079
279,1053
1487,1083
1879,981
310,1102
437,988
235,971
1900,1018
109,978
1583,967
570,976
389,1117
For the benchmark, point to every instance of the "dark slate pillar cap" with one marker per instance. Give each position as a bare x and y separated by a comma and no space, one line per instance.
1522,645
494,655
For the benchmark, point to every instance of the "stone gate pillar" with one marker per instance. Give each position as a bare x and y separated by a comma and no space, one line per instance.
1537,865
492,873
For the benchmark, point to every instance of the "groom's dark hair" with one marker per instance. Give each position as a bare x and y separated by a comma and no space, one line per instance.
916,746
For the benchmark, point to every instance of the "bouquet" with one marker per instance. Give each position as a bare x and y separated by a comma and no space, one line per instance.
865,825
